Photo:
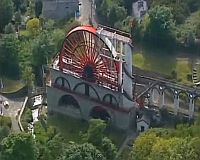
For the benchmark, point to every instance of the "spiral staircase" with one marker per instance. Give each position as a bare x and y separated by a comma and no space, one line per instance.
196,73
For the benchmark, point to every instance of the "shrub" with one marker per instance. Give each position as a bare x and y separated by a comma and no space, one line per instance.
174,74
5,121
189,77
9,28
33,25
26,118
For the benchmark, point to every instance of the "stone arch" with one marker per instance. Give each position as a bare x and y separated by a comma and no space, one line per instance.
62,82
197,103
87,90
168,96
68,100
99,112
69,105
110,99
183,100
155,94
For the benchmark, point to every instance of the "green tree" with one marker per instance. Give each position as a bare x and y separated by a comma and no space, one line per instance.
195,144
33,26
116,14
108,149
9,28
20,4
143,146
163,149
183,150
28,76
26,69
38,7
82,152
53,149
95,132
6,13
4,132
43,49
18,18
102,10
159,31
19,146
128,5
57,36
9,62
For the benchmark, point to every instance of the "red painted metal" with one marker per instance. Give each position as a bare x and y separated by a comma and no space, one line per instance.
82,50
88,28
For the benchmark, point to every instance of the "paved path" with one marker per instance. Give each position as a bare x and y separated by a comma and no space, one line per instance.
14,106
131,136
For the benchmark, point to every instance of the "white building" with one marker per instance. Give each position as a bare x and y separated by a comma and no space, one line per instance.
139,8
143,123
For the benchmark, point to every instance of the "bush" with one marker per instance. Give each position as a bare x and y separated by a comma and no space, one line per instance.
189,77
43,133
25,126
9,28
28,115
26,118
4,132
174,74
33,25
5,121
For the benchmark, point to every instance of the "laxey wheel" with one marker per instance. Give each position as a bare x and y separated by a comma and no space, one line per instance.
86,55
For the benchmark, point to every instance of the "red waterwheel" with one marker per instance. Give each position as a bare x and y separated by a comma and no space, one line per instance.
87,56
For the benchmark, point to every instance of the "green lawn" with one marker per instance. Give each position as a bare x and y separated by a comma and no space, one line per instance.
71,128
11,85
183,69
163,63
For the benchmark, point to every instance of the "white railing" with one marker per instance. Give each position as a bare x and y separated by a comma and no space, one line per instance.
20,114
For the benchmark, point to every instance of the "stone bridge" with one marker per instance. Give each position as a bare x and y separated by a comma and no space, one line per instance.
174,97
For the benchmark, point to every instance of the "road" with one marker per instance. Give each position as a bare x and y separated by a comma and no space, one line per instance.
14,106
87,10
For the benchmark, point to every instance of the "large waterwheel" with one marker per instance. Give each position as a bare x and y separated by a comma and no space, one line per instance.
85,55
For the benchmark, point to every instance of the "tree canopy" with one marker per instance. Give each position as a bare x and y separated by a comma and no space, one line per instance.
159,29
6,13
18,146
9,59
84,151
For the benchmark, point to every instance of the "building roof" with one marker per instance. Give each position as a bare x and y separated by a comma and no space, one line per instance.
145,119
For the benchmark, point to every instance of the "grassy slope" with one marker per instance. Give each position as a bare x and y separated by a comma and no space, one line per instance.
71,128
163,62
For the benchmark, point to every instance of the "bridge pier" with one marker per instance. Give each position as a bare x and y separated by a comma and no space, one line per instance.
161,99
176,104
191,107
151,97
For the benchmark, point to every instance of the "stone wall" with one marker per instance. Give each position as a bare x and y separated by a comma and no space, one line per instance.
59,9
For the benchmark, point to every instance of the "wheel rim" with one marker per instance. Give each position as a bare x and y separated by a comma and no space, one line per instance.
88,56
